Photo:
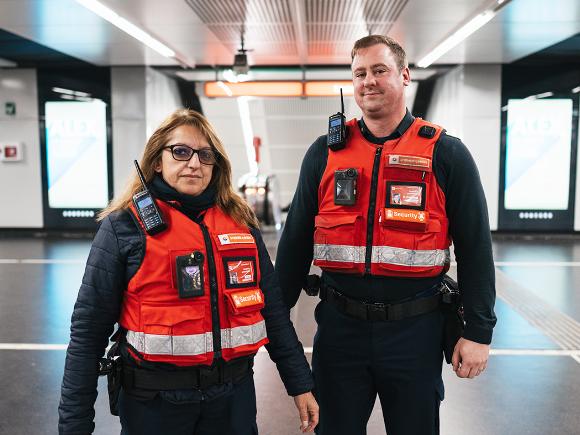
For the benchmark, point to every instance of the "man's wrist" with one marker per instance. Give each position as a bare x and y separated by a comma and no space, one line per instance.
478,334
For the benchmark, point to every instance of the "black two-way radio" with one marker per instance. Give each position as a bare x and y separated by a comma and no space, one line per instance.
149,214
337,128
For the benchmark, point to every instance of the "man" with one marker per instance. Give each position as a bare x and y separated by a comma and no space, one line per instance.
384,252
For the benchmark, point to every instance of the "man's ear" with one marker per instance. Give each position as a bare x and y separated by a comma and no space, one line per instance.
406,76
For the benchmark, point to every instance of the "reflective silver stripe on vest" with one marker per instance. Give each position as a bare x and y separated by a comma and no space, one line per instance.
242,335
196,344
340,253
409,257
155,344
382,255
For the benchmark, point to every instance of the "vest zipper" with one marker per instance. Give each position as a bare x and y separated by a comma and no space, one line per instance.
372,208
214,294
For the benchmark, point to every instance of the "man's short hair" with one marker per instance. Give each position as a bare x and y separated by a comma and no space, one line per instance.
394,46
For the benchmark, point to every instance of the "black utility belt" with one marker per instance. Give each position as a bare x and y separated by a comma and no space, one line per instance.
376,311
201,377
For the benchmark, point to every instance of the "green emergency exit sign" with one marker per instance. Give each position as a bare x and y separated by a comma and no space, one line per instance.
10,108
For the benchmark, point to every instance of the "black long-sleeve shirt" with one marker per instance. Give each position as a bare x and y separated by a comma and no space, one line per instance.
458,177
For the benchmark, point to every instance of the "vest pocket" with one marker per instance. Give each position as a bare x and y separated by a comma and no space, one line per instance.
176,331
246,328
335,239
412,251
245,301
409,237
172,320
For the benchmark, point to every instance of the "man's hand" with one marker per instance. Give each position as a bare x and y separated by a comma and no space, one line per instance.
308,410
469,358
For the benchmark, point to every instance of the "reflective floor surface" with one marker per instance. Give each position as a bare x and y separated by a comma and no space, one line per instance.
531,386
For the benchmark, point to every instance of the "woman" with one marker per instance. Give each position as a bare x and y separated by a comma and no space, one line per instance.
194,302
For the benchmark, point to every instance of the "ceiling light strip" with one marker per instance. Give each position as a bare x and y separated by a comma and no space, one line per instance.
463,32
299,22
126,26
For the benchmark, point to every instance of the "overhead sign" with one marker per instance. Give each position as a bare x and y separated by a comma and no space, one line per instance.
325,88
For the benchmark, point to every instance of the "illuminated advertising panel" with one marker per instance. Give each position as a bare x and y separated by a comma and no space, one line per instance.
538,151
76,154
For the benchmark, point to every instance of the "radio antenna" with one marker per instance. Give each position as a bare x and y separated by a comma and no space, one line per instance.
341,102
140,175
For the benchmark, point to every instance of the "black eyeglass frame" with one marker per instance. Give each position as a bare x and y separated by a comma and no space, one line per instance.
193,152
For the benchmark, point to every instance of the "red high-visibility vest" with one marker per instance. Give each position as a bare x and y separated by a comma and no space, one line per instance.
395,182
224,266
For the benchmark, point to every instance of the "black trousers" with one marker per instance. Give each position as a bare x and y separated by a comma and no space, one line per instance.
353,361
229,414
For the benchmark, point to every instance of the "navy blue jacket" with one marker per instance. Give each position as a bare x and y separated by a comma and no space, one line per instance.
115,256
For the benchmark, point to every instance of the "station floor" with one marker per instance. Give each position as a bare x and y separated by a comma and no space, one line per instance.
531,386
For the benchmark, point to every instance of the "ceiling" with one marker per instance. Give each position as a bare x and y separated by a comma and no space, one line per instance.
284,32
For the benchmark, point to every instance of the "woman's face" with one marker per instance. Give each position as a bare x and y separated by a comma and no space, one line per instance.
187,177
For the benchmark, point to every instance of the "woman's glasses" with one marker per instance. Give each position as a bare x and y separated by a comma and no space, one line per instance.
183,153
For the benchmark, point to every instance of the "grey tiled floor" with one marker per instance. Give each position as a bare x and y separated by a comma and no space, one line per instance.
517,395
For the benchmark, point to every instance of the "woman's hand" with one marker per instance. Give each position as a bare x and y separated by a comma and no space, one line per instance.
308,410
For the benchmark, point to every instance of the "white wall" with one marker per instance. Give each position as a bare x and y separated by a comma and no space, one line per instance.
20,182
224,115
467,102
140,98
161,98
129,121
446,108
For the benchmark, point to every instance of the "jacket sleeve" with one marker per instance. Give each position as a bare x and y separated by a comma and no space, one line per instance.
284,348
95,313
469,227
295,249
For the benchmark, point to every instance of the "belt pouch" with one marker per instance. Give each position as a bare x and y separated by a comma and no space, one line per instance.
114,378
453,315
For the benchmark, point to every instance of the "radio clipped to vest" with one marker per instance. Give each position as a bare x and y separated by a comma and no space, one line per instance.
336,139
149,213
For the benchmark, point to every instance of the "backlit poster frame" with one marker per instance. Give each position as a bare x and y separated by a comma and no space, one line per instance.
533,190
77,140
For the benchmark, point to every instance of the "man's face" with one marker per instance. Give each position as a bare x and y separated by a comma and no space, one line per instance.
378,83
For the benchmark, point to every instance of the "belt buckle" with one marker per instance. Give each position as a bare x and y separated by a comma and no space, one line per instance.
376,311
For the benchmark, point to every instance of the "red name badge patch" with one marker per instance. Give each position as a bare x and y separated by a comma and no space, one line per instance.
417,162
229,239
240,272
416,216
247,298
406,195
